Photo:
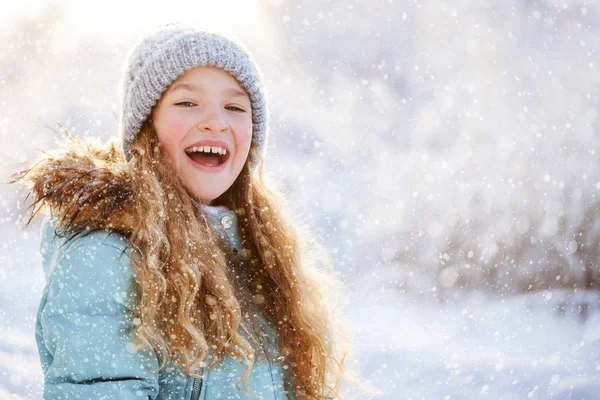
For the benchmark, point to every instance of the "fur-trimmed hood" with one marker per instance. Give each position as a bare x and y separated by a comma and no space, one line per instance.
83,183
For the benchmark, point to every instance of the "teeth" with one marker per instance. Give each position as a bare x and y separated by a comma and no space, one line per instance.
206,149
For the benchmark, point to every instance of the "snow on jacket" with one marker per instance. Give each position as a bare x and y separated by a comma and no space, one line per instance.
83,327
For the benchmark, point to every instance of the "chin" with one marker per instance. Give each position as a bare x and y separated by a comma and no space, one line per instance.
208,197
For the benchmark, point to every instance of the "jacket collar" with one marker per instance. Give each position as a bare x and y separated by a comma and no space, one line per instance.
224,221
213,210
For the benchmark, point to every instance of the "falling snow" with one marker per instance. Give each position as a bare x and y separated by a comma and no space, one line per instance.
445,152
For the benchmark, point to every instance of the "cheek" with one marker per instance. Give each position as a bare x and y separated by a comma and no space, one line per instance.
170,133
245,136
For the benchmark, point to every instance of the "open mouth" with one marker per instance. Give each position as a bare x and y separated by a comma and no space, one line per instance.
208,156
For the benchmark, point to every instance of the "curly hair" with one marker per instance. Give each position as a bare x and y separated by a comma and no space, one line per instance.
186,299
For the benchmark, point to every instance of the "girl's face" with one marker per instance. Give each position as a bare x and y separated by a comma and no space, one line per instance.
204,123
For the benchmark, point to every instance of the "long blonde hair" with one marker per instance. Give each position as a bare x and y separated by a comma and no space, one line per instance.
185,298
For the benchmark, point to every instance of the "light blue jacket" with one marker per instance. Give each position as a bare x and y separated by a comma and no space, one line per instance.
82,328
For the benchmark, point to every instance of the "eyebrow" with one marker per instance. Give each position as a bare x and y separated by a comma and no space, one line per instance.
232,91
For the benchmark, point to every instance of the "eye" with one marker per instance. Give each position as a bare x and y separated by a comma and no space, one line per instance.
185,102
235,108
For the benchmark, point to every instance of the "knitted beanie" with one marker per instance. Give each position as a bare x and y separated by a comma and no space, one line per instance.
161,57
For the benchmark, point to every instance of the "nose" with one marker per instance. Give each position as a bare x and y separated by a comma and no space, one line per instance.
212,121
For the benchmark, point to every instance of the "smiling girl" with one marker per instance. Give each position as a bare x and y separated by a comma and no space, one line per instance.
174,268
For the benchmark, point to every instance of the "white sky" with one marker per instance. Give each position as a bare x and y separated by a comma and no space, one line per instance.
118,18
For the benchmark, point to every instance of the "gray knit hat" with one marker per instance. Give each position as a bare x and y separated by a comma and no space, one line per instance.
161,57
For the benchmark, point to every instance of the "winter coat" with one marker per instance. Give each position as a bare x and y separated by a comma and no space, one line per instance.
83,327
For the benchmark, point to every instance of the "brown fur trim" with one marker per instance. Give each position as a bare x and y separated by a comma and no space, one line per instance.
83,183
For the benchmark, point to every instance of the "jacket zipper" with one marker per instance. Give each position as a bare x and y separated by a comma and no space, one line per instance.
196,387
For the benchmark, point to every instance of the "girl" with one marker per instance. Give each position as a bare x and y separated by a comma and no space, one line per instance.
173,267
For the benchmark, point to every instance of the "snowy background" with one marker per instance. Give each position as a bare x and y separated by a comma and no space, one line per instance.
446,152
